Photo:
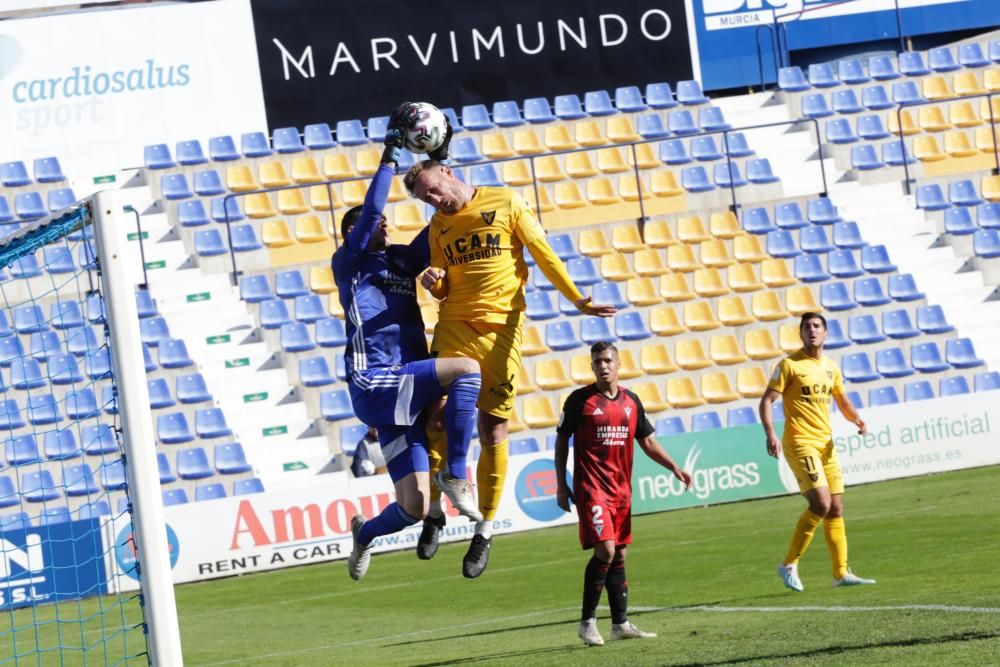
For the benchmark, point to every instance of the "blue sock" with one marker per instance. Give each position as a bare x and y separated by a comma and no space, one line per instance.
392,520
460,420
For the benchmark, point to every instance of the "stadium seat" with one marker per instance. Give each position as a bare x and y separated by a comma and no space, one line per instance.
539,412
963,193
48,170
882,68
857,367
630,325
931,320
815,106
97,364
792,80
926,358
864,158
741,417
695,179
705,421
906,92
244,487
594,329
971,55
539,305
960,353
295,337
79,480
710,119
911,63
941,59
173,353
705,149
254,289
560,336
689,93
9,495
211,423
845,102
29,206
681,122
875,259
931,198
809,269
211,491
660,96
891,363
55,515
874,98
209,242
986,243
838,131
59,445
987,381
223,209
537,111
667,426
650,126
159,394
15,521
318,137
22,450
902,287
681,393
895,153
193,464
729,176
781,244
988,215
953,386
673,152
173,428
919,390
868,292
14,174
39,486
598,103
897,324
315,372
879,396
174,497
350,133
310,308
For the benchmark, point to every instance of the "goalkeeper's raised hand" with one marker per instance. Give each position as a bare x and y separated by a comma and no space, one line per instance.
394,133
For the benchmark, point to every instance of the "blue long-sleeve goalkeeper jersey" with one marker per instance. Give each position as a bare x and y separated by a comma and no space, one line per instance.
378,289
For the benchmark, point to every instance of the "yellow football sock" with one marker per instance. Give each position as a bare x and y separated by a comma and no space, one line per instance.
437,452
802,536
490,475
836,542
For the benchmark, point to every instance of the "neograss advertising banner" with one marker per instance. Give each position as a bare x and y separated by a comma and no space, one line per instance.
326,61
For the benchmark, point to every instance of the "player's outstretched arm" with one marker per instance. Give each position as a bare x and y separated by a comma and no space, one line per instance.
554,269
563,495
850,413
655,452
766,419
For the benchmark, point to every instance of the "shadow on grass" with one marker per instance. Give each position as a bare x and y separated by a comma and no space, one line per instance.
562,650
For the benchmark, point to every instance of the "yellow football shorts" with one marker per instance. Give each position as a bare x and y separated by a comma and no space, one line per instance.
815,467
497,348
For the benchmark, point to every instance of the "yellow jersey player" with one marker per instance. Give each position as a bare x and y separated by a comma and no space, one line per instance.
807,381
478,236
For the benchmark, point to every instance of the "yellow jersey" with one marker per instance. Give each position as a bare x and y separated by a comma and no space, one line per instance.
482,249
807,387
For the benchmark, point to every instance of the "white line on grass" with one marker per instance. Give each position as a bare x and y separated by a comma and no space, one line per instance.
948,608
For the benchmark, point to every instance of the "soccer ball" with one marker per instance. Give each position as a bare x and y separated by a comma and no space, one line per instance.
425,127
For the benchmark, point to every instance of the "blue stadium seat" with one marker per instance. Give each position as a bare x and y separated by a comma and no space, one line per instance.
987,381
208,183
153,330
173,354
660,96
988,215
757,221
705,421
690,93
223,209
464,149
882,396
94,510
971,55
583,272
843,265
60,445
845,102
857,367
310,308
82,341
875,259
507,114
286,140
350,435
26,267
10,349
821,76
851,72
476,117
191,388
986,243
960,353
254,289
695,179
894,153
22,450
835,297
174,497
821,211
941,59
79,480
931,198
594,329
290,284
906,92
897,324
809,269
953,386
630,325
14,174
628,99
190,153
336,405
376,127
882,68
524,446
931,320
48,170
351,133
681,122
792,80
958,221
39,486
43,409
926,358
208,243
485,175
173,428
60,198
273,313
870,128
59,259
735,145
330,332
563,246
82,404
838,131
835,337
44,344
868,292
295,337
604,293
230,459
759,171
212,491
911,63
26,374
193,464
814,105
537,110
54,515
109,402
318,137
704,149
242,487
650,126
15,521
919,390
813,240
674,152
891,363
781,243
964,193
97,364
561,336
65,315
340,367
568,107
315,372
87,256
99,439
598,103
6,215
244,239
667,426
192,213
539,306
727,175
112,475
902,287
865,158
8,493
741,416
211,423
710,119
223,149
10,415
159,394
63,369
29,206
789,216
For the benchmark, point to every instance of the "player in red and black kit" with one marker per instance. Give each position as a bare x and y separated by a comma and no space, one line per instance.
604,421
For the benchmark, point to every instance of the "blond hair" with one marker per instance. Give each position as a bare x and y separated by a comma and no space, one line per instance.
413,173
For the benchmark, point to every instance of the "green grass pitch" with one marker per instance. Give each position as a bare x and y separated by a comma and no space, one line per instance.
703,578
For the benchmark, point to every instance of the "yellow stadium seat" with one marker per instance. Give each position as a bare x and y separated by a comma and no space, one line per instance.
616,267
987,138
708,283
630,369
567,195
337,166
526,142
775,273
259,206
725,350
690,229
759,345
626,238
319,198
578,165
751,382
539,412
274,233
681,393
396,191
957,144
743,278
655,359
525,383
733,312
515,425
966,83
529,193
724,225
990,187
642,292
664,184
407,217
494,145
789,338
550,374
334,307
649,394
674,287
649,262
991,79
589,133
936,88
558,138
292,202
321,280
593,243
621,130
931,119
611,161
989,110
658,234
367,161
801,300
663,321
579,369
628,187
962,114
716,388
272,174
532,343
747,248
547,169
715,254
601,192
305,170
644,156
767,307
309,229
698,316
681,258
354,192
926,149
516,173
240,179
690,355
892,122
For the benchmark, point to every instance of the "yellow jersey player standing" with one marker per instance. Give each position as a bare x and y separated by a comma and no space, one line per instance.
807,380
477,239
